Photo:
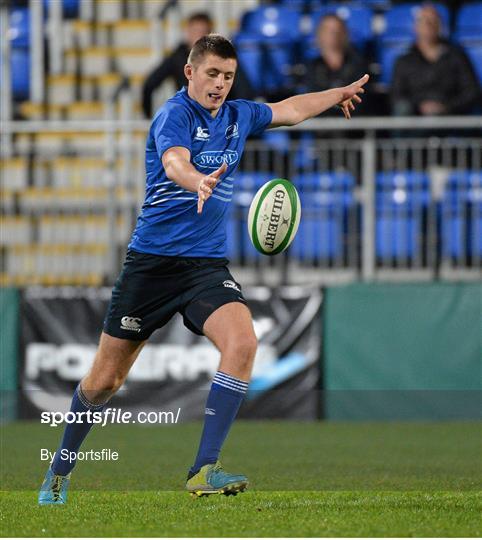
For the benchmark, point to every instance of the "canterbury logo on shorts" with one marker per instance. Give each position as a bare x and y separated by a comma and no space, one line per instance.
131,323
231,285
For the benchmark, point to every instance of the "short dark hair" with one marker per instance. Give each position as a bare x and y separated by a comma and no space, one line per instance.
200,16
212,44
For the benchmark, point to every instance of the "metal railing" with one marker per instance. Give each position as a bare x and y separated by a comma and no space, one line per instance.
382,198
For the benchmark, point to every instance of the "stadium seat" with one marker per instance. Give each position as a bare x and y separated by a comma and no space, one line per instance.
19,27
303,6
322,231
19,36
461,216
401,201
271,22
238,242
334,182
267,45
398,231
400,20
266,61
250,182
250,57
358,20
388,54
277,140
404,187
70,8
20,72
469,23
326,200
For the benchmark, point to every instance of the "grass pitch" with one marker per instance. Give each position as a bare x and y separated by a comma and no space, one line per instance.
307,479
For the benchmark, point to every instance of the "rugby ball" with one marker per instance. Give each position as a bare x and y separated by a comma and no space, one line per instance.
274,216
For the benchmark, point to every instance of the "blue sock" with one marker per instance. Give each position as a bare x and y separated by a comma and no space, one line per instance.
74,433
222,406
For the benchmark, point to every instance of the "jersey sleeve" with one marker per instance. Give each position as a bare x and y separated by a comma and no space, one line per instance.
171,128
260,114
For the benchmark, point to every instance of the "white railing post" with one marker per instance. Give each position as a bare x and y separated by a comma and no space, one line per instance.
368,207
6,86
55,36
36,52
87,10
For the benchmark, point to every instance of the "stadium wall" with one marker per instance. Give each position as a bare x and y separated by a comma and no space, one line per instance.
9,326
404,351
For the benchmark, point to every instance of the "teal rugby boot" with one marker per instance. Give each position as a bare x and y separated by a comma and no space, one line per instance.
212,480
54,489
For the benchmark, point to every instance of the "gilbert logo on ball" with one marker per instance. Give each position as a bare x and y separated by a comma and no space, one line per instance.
274,216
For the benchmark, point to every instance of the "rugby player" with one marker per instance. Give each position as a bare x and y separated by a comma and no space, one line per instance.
176,257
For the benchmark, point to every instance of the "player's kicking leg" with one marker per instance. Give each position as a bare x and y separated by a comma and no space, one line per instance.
112,363
230,328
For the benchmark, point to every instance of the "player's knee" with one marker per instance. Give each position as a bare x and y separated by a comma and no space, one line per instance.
106,387
115,381
243,349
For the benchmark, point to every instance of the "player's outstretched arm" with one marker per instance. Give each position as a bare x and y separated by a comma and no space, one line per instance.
296,109
177,164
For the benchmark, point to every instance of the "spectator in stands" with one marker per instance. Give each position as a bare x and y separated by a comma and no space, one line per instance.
197,26
338,63
434,77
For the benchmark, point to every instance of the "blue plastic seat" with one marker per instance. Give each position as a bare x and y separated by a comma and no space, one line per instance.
271,22
401,201
398,231
246,184
461,215
277,140
469,23
400,21
358,20
70,8
267,45
19,27
250,56
250,182
322,231
332,182
267,61
326,200
388,54
20,73
403,179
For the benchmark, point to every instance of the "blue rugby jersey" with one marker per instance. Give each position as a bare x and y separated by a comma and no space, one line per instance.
169,223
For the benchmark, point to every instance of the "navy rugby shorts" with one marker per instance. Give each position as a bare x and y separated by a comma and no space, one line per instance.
152,288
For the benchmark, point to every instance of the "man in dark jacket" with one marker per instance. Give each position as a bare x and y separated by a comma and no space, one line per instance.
197,26
434,77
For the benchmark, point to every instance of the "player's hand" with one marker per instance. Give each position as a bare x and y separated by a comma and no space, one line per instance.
350,95
206,186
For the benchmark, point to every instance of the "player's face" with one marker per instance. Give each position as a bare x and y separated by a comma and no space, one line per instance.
211,80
